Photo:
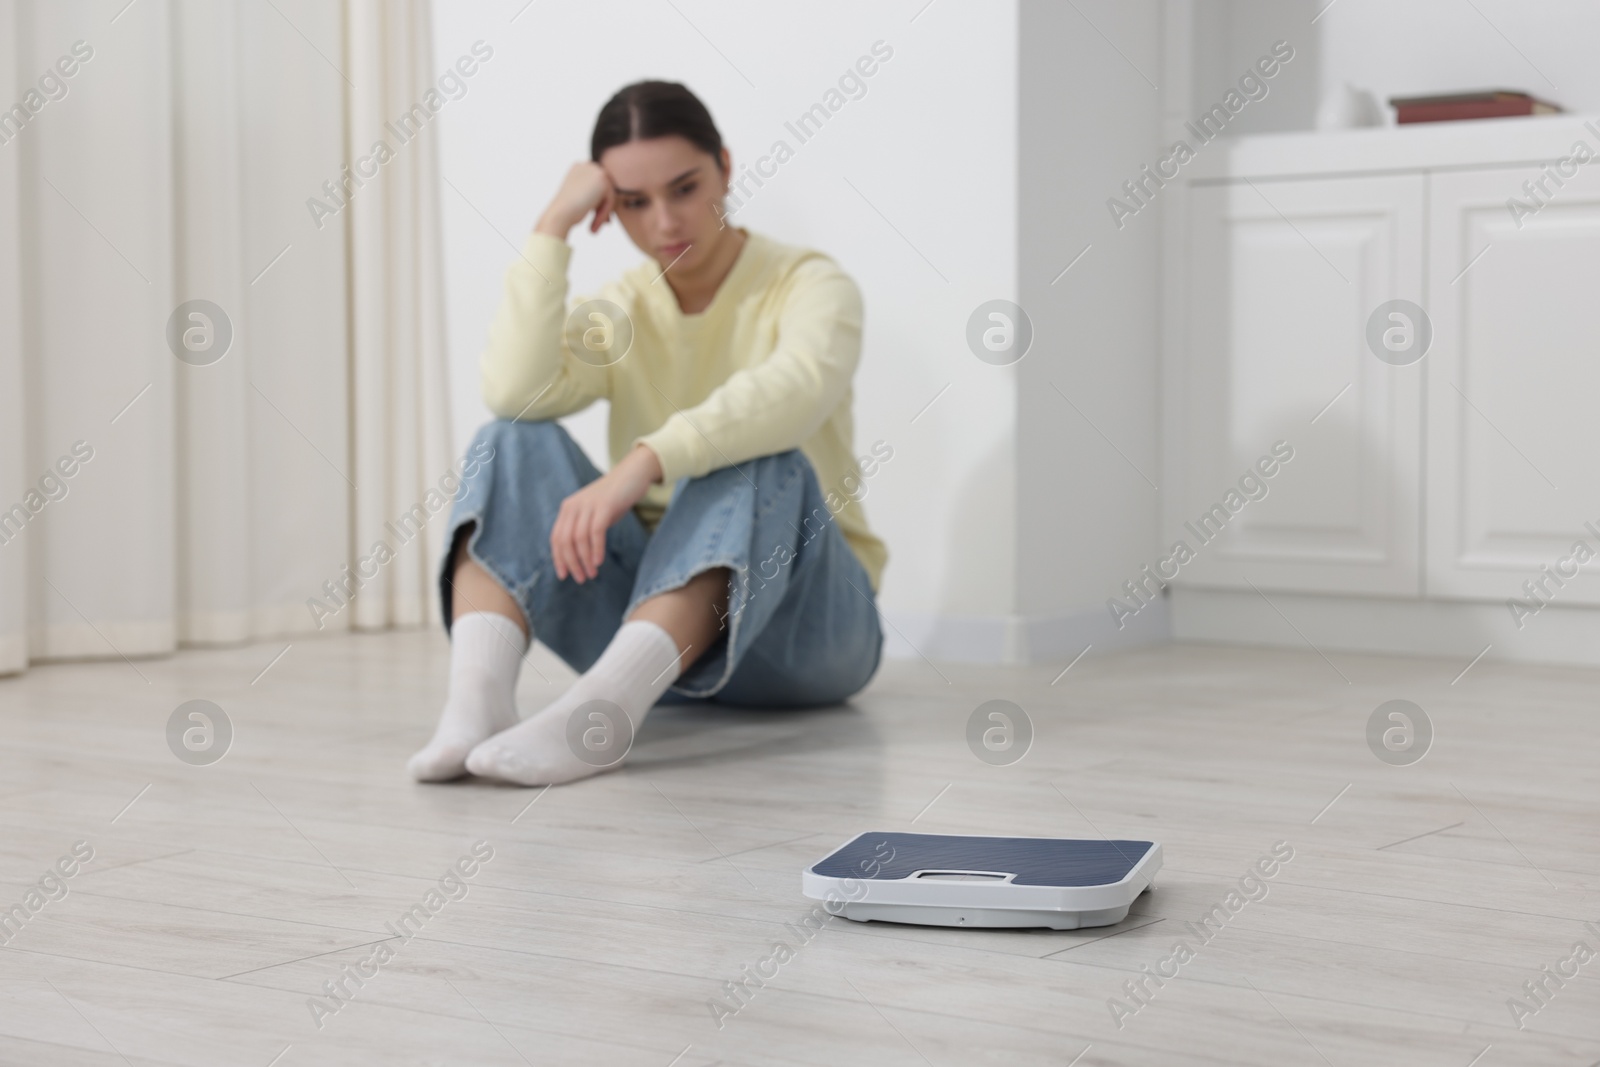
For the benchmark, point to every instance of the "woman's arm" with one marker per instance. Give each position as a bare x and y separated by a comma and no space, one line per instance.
780,402
528,370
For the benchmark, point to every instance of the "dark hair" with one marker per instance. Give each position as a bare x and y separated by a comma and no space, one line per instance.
655,109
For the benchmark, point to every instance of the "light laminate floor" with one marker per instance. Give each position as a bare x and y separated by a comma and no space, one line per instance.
219,902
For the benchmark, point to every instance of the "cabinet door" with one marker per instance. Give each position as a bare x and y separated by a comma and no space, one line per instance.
1281,279
1513,384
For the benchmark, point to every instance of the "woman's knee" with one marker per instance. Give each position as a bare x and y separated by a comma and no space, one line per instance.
537,458
770,476
515,434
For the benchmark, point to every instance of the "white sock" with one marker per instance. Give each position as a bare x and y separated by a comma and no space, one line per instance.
635,669
485,655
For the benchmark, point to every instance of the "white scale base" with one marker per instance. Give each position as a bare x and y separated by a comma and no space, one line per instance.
986,882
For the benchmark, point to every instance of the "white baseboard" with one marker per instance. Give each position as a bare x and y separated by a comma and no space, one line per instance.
1019,639
1395,626
1450,628
109,640
13,653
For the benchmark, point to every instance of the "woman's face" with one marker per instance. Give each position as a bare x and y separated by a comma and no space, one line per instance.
668,195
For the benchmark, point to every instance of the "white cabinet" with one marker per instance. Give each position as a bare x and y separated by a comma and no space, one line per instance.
1456,477
1281,278
1513,383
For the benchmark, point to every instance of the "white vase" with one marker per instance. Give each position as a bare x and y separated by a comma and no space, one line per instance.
1348,107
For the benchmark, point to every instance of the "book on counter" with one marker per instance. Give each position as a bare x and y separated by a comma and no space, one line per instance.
1487,104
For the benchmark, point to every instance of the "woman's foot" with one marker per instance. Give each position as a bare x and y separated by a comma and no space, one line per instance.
485,655
636,668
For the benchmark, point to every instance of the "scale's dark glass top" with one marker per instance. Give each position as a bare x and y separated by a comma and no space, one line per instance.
1049,861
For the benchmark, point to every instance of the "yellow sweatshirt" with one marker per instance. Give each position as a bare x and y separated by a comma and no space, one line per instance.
765,368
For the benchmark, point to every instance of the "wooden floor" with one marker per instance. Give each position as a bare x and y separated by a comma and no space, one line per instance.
613,911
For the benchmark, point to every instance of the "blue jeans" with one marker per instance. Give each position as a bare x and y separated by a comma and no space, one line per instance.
802,624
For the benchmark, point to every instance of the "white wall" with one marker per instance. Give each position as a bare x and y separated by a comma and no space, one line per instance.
1091,107
933,147
1228,36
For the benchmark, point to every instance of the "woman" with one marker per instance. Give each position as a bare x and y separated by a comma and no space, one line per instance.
725,555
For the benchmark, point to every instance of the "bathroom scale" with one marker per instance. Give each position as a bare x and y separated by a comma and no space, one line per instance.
1061,883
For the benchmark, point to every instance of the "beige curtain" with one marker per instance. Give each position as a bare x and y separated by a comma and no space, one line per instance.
400,388
174,472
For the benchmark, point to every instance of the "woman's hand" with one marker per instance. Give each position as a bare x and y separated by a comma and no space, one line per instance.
578,538
585,188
